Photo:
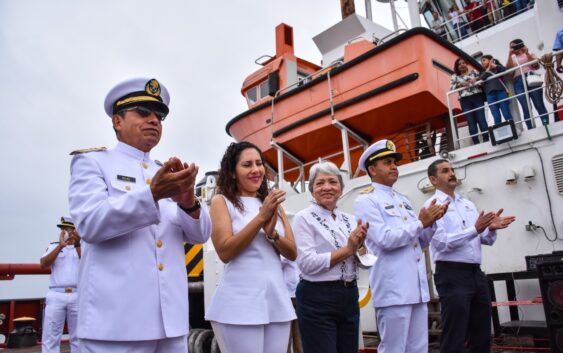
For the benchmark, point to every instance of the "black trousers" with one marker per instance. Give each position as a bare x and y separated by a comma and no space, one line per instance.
329,317
465,308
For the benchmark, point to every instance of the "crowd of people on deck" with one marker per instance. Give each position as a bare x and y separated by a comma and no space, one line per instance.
126,268
477,87
490,86
475,16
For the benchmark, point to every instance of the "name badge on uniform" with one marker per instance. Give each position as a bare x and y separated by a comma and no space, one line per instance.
126,178
407,206
388,207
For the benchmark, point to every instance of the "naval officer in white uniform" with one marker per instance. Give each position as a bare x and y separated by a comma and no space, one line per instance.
134,215
396,236
63,258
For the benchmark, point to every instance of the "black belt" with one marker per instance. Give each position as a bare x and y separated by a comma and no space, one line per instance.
458,265
338,283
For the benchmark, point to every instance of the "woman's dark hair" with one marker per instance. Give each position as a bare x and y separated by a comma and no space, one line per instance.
456,66
226,181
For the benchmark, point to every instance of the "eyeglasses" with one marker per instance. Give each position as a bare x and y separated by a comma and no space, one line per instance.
144,112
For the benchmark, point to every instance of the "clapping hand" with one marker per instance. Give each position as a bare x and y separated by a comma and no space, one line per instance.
357,237
176,180
483,221
499,222
269,209
432,213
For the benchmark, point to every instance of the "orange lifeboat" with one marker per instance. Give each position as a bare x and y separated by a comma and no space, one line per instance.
393,89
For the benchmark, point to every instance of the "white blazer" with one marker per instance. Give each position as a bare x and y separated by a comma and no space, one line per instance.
132,281
396,237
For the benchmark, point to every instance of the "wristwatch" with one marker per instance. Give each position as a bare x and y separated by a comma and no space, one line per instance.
274,237
195,207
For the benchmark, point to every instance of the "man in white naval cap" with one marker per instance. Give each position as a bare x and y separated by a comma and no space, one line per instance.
134,215
62,258
465,301
396,236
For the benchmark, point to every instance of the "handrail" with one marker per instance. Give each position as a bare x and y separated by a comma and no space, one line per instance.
9,271
453,117
497,18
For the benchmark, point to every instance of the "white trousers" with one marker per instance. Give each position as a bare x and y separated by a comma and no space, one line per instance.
59,306
270,338
403,328
165,345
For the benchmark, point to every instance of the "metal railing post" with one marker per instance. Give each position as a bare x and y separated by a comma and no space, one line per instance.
453,122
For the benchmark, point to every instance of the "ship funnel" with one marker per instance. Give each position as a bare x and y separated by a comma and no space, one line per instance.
331,42
284,40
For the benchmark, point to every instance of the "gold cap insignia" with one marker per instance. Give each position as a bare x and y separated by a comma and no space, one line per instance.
390,145
153,88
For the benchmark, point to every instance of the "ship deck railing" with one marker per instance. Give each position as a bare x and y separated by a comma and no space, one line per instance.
512,98
499,14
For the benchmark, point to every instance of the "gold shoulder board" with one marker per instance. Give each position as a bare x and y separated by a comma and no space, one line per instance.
87,150
367,190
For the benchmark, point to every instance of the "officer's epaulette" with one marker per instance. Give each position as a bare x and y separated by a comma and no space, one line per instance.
367,190
87,150
158,163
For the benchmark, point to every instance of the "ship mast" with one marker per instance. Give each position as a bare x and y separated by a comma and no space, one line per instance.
414,13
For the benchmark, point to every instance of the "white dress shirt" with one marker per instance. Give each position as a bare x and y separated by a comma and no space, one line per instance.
317,234
396,237
456,238
132,280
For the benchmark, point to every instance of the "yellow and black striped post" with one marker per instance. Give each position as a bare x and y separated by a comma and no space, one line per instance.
194,260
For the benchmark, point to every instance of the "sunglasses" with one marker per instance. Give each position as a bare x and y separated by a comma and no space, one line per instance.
144,112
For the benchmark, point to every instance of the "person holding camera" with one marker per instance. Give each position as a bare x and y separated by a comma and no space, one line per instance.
470,99
519,55
495,89
61,302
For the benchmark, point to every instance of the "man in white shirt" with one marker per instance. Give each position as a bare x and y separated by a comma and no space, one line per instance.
134,214
63,259
456,248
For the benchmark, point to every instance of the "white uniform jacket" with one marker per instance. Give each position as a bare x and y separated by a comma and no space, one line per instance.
396,237
132,280
456,238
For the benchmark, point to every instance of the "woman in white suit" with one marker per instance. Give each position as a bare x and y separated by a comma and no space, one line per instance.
327,241
251,310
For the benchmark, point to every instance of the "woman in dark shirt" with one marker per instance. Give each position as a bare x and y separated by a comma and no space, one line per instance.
495,88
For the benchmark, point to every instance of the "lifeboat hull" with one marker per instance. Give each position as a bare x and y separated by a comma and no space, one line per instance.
383,92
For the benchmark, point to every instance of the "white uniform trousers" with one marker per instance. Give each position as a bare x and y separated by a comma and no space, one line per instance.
403,328
59,306
164,345
270,338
